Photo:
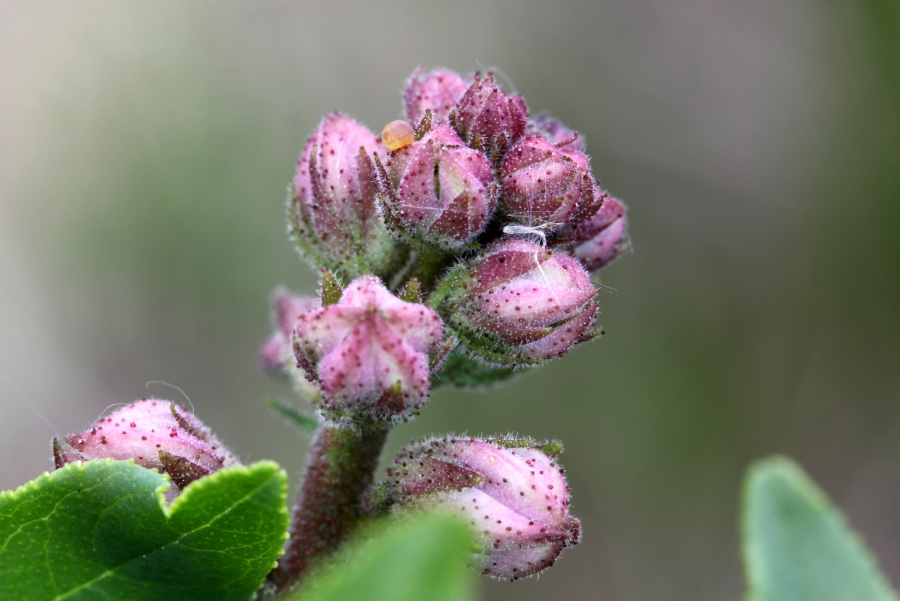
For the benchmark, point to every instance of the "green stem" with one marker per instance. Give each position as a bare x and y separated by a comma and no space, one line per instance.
430,265
340,470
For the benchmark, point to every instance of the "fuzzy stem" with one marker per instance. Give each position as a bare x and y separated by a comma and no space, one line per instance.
430,265
340,470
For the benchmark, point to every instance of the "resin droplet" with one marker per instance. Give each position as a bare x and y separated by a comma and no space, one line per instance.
398,134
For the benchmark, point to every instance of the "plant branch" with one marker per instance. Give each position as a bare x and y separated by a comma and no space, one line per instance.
340,470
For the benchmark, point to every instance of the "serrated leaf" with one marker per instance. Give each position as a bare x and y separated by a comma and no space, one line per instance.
418,560
102,530
797,546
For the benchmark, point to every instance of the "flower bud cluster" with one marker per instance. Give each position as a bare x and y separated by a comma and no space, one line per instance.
512,492
155,434
497,214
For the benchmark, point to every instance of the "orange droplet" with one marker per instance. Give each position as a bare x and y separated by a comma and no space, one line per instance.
398,134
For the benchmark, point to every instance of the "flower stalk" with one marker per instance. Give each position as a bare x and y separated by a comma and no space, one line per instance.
340,470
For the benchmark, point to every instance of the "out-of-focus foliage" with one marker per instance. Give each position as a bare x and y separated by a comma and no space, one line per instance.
146,150
797,547
411,561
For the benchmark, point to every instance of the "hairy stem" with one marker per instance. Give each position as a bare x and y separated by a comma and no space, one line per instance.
340,470
430,265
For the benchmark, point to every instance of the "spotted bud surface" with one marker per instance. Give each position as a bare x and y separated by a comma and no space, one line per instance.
438,91
545,184
552,129
332,210
488,118
604,237
521,304
369,353
438,189
155,434
512,492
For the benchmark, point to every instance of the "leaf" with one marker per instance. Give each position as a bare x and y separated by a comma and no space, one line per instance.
306,423
331,288
797,546
102,530
410,561
462,371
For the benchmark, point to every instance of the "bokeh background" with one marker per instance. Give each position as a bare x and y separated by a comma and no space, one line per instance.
144,153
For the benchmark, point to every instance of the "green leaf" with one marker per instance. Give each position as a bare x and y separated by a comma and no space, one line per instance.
412,293
331,288
102,530
416,560
304,422
463,371
797,546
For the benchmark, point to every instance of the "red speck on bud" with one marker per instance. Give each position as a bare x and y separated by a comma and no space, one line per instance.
512,492
439,190
369,353
437,91
161,435
604,237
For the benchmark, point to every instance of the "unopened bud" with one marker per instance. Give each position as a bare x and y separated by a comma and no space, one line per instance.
369,353
489,119
521,304
276,356
551,129
155,434
332,210
439,190
512,492
604,237
544,184
437,91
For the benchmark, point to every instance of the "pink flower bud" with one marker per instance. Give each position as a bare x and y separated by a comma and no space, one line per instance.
439,190
552,130
155,434
603,237
545,184
276,356
513,493
490,119
332,211
522,304
437,91
369,353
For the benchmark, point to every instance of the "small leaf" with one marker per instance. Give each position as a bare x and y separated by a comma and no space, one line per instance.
416,560
331,288
307,423
797,546
463,371
102,530
412,293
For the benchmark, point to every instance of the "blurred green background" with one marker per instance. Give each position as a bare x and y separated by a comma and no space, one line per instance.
144,153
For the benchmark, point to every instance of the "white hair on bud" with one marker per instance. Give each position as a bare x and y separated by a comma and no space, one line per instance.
23,396
183,393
